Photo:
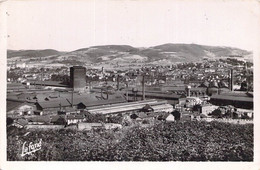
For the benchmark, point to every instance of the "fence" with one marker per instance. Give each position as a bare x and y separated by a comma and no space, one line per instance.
235,121
44,127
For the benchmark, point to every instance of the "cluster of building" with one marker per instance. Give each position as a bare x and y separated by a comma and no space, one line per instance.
128,93
193,74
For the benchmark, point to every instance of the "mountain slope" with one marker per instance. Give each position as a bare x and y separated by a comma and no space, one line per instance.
32,53
194,52
126,53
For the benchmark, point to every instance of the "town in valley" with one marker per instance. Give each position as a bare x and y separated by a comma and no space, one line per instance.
121,89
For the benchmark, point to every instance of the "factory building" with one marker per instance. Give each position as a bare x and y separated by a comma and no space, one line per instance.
155,106
236,99
138,95
78,78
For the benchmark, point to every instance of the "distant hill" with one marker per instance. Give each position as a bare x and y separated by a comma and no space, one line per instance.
118,48
126,53
32,53
194,52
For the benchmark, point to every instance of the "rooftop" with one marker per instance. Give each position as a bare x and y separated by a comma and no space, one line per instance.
243,97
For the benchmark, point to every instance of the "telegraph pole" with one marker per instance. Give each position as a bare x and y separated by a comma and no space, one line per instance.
231,80
60,101
126,82
127,91
247,78
143,87
72,97
41,78
118,82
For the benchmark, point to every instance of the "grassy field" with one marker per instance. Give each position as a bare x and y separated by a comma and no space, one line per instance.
178,141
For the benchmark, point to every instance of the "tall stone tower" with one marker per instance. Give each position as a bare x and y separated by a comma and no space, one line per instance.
78,78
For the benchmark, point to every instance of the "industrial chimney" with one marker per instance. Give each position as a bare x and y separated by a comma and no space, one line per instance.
143,87
188,90
118,81
231,80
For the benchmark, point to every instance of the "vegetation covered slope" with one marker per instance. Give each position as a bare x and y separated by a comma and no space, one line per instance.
32,53
114,53
178,141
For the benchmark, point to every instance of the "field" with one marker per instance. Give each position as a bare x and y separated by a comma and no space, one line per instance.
178,141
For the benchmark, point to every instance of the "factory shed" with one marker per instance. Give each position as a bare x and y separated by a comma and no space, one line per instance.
170,97
61,103
11,87
89,102
11,105
19,107
49,83
239,100
130,106
81,99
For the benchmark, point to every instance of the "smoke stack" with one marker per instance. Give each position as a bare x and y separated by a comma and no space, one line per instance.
143,88
89,87
231,80
72,97
188,90
117,82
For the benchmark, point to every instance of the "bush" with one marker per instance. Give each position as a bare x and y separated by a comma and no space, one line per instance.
9,121
178,141
216,113
95,118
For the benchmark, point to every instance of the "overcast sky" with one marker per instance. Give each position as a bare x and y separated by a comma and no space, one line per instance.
69,25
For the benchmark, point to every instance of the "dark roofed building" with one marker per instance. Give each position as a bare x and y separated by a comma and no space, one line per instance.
18,107
15,87
10,104
170,97
61,103
79,101
237,99
86,104
39,120
49,83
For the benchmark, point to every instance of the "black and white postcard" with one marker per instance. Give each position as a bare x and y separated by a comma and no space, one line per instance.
129,83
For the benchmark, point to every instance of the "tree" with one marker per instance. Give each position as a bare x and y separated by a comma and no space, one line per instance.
60,121
95,118
176,114
243,86
9,121
216,113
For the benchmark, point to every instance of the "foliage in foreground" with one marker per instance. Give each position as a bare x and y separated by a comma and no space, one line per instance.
178,141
